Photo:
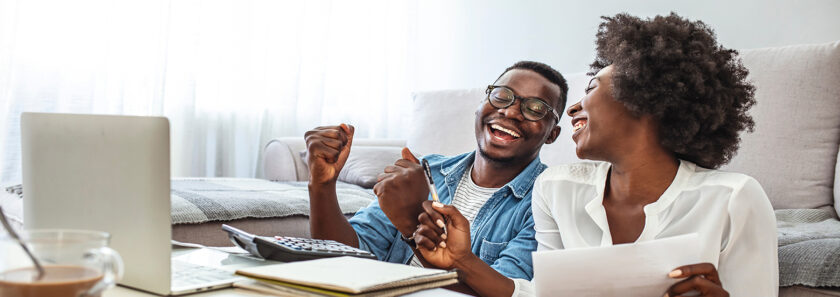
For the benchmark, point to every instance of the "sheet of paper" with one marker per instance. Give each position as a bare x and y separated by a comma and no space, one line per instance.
636,269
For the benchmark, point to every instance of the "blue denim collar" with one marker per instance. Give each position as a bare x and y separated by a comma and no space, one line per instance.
520,186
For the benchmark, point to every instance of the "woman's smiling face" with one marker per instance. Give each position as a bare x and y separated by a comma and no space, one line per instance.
601,126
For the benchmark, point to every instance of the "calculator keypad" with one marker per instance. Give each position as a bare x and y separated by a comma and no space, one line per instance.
318,245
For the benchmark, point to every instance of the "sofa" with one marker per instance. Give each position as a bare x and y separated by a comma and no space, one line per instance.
793,151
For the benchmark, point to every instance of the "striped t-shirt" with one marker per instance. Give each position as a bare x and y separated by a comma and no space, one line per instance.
468,199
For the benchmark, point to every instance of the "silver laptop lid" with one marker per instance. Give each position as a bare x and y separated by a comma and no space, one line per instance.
108,173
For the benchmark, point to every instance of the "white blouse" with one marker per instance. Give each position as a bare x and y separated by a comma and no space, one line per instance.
730,212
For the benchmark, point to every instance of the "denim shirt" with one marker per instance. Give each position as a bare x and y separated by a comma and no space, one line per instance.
502,233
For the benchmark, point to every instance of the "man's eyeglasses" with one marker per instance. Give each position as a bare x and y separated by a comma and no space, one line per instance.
533,109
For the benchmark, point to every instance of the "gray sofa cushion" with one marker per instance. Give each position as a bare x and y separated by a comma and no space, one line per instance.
793,151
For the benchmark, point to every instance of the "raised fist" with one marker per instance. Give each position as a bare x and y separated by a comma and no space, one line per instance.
327,150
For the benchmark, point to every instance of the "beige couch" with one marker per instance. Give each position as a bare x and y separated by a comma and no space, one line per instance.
793,152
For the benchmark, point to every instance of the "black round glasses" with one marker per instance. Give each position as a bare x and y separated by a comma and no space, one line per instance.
533,109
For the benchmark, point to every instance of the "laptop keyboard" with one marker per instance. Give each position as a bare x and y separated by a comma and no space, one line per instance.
187,274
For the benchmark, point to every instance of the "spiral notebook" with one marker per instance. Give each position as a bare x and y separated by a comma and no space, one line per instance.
349,275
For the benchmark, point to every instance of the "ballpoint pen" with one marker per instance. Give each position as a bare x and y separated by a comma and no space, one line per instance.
432,189
430,181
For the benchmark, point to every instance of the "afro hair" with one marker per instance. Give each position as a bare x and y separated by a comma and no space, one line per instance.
674,70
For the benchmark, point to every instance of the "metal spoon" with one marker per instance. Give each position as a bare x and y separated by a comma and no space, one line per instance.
22,244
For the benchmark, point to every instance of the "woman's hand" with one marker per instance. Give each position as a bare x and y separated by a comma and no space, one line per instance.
453,250
702,278
443,250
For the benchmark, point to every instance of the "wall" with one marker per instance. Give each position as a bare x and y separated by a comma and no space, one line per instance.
465,44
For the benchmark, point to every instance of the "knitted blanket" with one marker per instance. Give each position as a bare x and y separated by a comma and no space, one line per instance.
199,200
809,247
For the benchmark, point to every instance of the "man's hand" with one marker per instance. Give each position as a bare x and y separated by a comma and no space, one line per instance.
702,278
447,250
327,150
401,188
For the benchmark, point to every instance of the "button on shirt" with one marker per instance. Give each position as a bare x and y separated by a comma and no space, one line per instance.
502,233
730,212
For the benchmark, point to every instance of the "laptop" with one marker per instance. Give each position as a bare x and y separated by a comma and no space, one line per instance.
110,173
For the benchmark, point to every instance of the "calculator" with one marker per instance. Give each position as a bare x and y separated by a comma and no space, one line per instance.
291,249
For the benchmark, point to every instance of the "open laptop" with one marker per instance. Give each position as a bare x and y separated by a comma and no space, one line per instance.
110,173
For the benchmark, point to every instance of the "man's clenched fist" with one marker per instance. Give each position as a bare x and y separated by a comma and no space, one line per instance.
401,189
327,150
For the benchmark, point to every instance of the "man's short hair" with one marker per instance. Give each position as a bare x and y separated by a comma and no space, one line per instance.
549,73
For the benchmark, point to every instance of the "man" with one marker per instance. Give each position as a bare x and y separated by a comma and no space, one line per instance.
490,186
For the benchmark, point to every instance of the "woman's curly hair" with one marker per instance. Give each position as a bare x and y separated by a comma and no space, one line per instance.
674,69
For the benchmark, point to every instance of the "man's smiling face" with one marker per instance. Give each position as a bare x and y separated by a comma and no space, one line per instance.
504,135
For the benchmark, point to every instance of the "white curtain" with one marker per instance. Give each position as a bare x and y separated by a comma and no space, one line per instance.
229,75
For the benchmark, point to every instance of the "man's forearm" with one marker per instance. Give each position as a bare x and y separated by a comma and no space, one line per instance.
326,221
483,279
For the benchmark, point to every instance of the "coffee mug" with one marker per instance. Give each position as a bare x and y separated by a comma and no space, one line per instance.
76,263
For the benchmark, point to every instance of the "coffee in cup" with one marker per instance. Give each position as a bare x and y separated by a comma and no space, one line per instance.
58,281
76,263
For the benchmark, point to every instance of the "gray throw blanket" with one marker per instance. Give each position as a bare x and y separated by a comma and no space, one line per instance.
809,247
199,200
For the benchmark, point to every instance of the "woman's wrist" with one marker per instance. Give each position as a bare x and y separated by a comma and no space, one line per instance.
466,263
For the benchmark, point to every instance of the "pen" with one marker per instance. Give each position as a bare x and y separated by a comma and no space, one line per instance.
431,182
432,188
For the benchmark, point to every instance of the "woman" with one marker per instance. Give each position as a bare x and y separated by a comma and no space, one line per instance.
663,111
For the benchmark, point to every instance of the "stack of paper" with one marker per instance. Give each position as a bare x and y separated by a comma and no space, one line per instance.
637,269
343,276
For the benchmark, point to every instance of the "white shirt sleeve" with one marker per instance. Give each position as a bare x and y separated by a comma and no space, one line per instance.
523,288
547,233
749,263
